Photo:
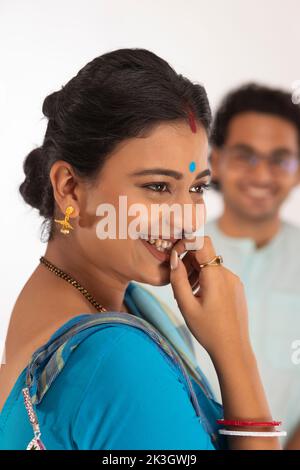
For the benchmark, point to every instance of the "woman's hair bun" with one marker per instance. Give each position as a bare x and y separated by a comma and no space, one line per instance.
50,104
33,187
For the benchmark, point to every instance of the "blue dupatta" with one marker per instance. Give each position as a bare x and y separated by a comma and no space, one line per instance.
149,314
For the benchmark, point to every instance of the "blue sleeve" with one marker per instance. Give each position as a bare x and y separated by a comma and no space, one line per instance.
136,399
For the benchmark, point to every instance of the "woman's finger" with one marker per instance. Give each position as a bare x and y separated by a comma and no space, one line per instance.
180,283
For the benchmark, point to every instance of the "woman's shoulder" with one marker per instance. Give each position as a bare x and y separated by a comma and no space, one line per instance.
121,345
120,390
109,352
135,397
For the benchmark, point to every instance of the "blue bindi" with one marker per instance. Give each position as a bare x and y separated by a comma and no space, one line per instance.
192,166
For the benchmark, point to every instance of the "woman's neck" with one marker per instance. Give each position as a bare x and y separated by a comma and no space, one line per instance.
107,289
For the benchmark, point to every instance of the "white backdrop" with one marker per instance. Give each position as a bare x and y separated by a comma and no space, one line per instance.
43,44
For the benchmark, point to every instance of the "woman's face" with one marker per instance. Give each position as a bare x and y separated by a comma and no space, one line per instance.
135,170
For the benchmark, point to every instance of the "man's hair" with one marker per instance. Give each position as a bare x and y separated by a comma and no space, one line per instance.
252,97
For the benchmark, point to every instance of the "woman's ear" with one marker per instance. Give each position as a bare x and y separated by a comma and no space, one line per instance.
65,186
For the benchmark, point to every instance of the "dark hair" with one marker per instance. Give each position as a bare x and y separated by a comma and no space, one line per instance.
118,95
252,97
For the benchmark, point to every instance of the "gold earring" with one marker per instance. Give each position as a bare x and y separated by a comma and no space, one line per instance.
66,226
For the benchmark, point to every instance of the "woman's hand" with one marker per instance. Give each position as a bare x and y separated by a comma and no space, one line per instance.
217,315
218,318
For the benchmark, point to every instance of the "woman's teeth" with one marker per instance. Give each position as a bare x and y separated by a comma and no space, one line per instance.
160,245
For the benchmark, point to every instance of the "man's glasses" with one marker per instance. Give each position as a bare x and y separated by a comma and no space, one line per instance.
279,162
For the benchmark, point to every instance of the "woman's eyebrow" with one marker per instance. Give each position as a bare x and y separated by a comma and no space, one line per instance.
165,171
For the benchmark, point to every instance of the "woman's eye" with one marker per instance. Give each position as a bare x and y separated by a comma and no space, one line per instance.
200,188
163,187
157,187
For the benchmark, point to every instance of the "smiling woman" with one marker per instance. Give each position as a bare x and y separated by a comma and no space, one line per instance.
101,362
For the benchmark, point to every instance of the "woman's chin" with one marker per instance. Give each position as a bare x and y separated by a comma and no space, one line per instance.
154,266
158,277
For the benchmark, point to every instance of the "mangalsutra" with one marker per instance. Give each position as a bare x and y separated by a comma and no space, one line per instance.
63,275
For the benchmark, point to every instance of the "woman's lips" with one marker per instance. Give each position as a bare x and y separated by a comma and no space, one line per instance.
160,255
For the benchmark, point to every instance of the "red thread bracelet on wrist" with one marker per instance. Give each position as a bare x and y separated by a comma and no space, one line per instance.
228,422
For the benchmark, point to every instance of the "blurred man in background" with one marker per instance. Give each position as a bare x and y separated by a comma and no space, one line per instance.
255,164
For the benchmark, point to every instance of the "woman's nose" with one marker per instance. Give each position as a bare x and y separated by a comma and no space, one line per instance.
193,216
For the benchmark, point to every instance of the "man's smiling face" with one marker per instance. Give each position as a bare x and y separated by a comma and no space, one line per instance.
257,191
